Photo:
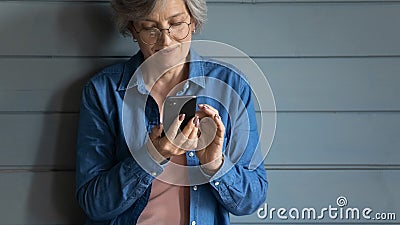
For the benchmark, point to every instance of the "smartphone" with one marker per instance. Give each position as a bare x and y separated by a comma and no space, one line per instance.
176,105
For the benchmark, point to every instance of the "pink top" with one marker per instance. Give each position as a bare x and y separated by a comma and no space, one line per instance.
168,203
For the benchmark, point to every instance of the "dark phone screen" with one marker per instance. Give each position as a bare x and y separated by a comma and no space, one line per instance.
176,105
189,109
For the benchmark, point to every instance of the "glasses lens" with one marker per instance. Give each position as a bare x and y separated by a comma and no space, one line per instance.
179,31
150,36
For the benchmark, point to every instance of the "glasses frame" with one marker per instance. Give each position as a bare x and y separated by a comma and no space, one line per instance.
160,33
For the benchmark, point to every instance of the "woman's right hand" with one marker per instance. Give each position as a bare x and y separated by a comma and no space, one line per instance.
174,142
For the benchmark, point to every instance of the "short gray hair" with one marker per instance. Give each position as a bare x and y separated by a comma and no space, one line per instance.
126,11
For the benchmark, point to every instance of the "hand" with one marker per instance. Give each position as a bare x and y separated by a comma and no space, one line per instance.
173,143
211,156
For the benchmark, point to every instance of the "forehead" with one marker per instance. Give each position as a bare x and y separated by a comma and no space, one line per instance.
168,9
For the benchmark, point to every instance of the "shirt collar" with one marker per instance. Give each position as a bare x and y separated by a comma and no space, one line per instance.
196,71
129,69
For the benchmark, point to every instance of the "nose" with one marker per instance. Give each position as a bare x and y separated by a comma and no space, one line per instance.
165,38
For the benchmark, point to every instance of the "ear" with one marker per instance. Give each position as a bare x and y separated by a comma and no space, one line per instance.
193,27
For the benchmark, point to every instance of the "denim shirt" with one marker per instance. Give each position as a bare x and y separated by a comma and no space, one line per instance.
114,172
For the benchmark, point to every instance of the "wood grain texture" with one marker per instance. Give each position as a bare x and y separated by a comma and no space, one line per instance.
301,139
39,198
48,197
333,66
324,84
319,189
244,1
312,29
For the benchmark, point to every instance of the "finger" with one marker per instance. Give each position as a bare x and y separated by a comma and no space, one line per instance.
182,139
219,136
155,134
208,110
174,128
189,127
195,130
208,130
153,145
200,114
193,140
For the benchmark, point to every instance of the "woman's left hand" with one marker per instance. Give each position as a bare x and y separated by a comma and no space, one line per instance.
213,130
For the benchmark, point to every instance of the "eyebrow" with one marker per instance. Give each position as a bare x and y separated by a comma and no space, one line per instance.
175,15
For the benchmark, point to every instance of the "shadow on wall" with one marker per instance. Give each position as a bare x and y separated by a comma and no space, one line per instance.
88,28
94,34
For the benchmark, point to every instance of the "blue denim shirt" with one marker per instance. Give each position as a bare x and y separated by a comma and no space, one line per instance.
113,188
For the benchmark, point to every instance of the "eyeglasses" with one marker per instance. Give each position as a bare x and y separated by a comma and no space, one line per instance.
177,31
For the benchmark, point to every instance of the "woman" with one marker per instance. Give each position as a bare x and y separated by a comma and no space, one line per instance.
115,188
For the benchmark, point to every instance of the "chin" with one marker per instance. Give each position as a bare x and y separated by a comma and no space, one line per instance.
171,57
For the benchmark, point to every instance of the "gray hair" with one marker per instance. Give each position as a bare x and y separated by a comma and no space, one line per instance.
126,11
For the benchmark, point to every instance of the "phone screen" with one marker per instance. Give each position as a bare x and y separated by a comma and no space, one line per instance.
176,105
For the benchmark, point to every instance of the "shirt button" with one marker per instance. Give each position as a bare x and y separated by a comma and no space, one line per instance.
191,154
193,222
216,183
195,188
153,174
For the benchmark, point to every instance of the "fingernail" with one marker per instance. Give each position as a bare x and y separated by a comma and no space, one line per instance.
201,105
181,117
217,116
196,121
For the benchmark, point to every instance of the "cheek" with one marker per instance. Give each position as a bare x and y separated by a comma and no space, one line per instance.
146,50
189,37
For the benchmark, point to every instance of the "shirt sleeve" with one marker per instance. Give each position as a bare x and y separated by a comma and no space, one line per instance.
105,187
238,185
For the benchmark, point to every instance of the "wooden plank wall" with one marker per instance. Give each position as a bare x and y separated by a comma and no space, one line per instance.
333,65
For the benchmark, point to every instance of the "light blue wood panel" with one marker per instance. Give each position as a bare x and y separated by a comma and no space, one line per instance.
302,140
251,1
330,139
60,28
326,84
306,29
308,84
48,197
46,84
37,140
39,198
312,29
374,189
